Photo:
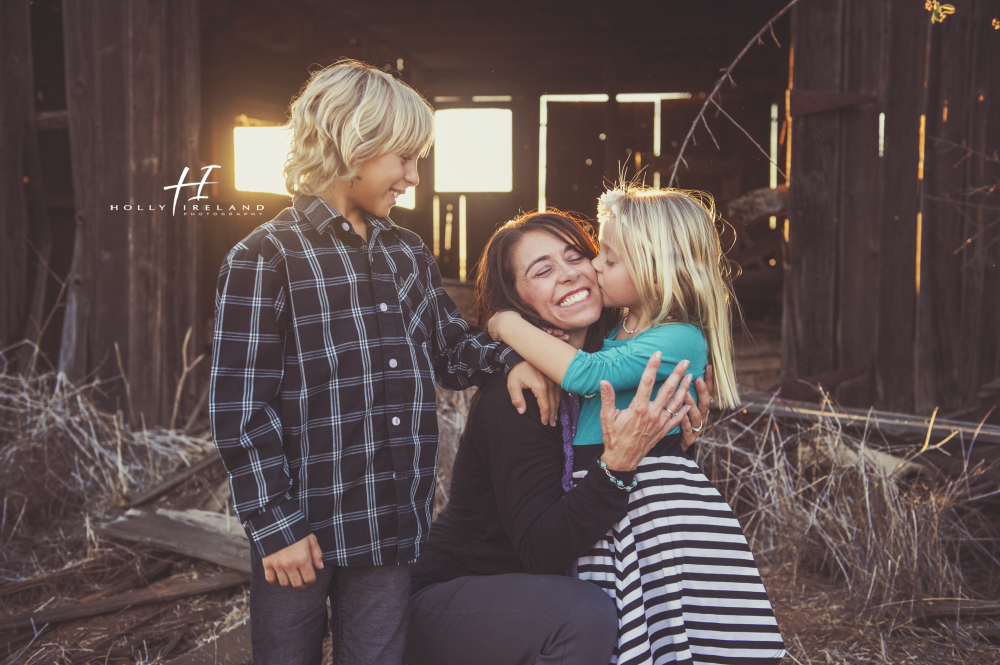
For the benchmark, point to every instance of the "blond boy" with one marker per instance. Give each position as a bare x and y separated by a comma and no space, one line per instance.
331,328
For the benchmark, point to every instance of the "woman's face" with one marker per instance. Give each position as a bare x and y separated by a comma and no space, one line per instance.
557,280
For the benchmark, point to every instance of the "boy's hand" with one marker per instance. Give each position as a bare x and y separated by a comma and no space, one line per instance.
296,565
495,325
524,376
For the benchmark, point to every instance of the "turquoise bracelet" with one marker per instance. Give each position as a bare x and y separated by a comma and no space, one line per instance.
618,483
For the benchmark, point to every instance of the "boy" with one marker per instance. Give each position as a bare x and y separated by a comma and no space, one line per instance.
331,326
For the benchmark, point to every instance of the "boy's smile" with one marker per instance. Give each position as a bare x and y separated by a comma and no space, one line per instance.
379,183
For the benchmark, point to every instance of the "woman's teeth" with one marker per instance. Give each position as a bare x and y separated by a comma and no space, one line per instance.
574,298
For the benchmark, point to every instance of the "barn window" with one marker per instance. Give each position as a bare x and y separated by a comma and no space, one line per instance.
260,154
473,150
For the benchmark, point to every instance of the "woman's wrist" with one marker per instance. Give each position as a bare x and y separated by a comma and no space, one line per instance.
619,462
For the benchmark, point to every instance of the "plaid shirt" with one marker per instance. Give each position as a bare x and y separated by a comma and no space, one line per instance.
322,398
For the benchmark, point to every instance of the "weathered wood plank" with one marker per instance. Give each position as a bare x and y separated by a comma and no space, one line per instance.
896,424
178,478
16,104
981,257
191,535
232,648
859,200
173,588
133,113
938,352
903,103
808,316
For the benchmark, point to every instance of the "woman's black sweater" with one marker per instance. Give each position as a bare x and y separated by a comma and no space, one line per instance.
507,512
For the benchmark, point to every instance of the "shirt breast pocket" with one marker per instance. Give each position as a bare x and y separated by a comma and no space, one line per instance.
416,304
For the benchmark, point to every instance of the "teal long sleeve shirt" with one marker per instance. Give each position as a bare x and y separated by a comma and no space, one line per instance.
621,363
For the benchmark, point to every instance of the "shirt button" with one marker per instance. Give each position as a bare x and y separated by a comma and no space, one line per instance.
383,307
395,420
395,476
346,226
392,362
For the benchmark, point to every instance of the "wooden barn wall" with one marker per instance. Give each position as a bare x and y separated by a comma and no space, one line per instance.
892,261
133,101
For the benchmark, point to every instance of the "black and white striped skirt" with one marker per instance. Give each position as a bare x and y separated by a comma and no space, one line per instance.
681,572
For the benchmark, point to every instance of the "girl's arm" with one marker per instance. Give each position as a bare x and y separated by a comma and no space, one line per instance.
550,355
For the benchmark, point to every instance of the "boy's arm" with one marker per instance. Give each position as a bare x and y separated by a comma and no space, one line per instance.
252,312
462,354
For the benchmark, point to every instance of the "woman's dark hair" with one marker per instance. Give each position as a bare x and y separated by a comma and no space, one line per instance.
496,285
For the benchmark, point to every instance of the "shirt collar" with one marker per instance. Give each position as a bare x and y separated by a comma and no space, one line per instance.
320,213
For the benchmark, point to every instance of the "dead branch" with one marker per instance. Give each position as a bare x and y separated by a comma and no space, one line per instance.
718,84
184,374
745,133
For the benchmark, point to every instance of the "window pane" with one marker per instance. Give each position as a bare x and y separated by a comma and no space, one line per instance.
473,150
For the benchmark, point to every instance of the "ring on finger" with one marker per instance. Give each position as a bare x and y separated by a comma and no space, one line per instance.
696,429
667,409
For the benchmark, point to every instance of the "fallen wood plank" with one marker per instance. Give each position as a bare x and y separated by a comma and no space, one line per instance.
51,578
173,588
232,648
957,608
173,481
887,421
196,533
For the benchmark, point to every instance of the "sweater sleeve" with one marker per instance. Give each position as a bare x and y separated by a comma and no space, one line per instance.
622,365
548,530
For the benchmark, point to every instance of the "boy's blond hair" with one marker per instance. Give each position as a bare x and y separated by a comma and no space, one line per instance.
346,114
672,252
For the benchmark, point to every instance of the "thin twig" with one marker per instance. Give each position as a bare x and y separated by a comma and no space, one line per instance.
128,387
718,85
184,374
747,134
968,151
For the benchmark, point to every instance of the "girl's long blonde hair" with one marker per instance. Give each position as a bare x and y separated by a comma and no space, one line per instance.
673,254
346,114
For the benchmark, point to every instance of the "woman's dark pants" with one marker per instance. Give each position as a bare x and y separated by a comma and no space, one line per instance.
512,619
287,625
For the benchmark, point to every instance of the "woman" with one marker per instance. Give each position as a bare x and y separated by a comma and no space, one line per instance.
513,509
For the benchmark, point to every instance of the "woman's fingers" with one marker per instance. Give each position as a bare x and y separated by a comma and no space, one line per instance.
669,422
645,388
668,389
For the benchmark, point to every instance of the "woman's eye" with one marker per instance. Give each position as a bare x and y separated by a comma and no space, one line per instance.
543,272
574,258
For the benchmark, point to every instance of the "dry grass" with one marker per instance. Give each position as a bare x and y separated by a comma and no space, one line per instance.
64,463
854,533
862,542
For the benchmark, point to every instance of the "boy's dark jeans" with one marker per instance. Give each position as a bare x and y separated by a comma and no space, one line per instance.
369,604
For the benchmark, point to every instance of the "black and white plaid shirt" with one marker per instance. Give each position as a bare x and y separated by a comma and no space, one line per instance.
325,353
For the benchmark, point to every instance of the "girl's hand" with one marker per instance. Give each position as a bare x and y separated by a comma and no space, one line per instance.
558,334
496,323
630,434
696,418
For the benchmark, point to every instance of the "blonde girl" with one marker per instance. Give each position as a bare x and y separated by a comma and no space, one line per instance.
678,565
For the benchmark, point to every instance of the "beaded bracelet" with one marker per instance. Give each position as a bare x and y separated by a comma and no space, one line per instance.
620,484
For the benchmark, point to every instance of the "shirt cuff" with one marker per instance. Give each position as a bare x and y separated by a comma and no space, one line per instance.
509,358
277,527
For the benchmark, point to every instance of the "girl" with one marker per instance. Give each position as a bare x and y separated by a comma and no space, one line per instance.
678,565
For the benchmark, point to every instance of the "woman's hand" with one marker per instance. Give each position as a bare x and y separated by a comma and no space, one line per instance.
495,326
697,417
630,434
